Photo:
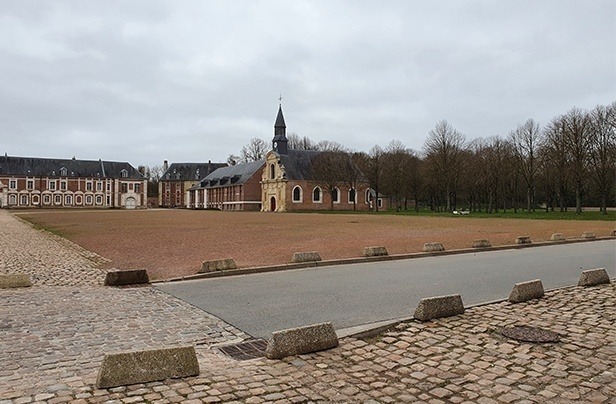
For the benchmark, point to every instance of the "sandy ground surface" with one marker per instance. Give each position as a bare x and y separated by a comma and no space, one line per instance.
171,243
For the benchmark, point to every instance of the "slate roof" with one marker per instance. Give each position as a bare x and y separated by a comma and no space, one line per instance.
231,175
190,171
298,164
46,167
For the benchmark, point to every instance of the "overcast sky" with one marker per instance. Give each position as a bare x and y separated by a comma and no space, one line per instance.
145,81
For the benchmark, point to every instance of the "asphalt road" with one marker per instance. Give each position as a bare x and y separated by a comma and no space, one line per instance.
355,294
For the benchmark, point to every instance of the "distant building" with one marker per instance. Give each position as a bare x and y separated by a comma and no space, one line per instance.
29,182
178,178
234,187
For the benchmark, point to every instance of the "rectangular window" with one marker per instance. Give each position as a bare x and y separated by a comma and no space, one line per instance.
108,200
137,188
46,199
63,185
68,200
24,200
124,187
99,186
12,184
109,186
51,184
30,184
130,186
88,185
88,199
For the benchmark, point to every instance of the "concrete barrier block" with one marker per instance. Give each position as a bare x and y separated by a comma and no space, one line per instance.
9,281
218,265
439,307
588,234
483,243
301,340
557,237
523,240
594,277
126,277
375,251
307,256
430,247
122,369
525,291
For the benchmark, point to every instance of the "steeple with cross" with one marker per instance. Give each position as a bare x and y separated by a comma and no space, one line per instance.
280,141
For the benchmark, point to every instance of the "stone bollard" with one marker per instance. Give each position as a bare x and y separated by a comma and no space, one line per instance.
308,256
217,265
9,281
525,291
523,240
431,247
438,307
482,243
593,277
121,277
123,369
375,251
301,340
588,235
557,237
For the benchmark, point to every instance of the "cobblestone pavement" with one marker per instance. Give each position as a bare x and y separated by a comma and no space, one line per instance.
52,340
48,259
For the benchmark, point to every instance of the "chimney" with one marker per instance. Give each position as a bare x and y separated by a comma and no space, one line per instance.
165,165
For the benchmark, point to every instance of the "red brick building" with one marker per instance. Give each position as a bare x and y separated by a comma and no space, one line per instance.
27,182
178,179
289,182
234,187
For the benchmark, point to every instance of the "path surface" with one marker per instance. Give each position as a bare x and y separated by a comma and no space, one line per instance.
350,295
52,339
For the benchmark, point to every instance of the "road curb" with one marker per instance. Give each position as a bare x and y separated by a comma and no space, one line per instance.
362,260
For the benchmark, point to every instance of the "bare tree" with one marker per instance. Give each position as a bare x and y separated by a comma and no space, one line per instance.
578,143
603,151
526,140
444,148
255,150
329,170
297,142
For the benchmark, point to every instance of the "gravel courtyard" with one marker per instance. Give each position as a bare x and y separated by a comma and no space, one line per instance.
171,243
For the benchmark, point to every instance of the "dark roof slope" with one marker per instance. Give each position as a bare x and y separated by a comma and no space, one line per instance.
231,175
190,171
298,164
45,167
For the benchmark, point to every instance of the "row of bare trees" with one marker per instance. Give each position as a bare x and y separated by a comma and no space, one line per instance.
571,161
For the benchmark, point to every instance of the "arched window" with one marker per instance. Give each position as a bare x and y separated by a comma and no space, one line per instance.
316,195
297,194
12,199
352,194
272,171
336,195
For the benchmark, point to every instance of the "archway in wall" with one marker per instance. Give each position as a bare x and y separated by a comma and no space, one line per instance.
273,204
131,203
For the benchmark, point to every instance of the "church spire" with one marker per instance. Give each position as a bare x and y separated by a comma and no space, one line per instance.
280,142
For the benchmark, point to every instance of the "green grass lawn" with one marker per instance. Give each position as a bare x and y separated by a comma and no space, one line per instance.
510,214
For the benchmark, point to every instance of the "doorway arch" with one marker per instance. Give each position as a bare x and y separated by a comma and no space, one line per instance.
273,204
